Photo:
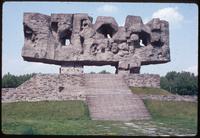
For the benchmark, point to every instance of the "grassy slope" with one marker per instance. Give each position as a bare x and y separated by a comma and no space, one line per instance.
55,118
181,116
72,118
24,117
46,110
147,90
177,115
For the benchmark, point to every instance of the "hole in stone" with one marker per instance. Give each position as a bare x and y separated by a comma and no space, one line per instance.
135,70
54,26
61,88
145,37
104,69
65,37
28,32
84,23
106,30
82,40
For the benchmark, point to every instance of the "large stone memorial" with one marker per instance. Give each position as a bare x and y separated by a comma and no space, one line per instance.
74,41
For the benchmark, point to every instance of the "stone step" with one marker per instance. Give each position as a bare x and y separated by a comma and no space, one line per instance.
107,95
110,110
109,98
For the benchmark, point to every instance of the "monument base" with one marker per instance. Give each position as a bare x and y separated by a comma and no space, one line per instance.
107,95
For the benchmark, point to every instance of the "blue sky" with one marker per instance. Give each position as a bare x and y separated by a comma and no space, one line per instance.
183,20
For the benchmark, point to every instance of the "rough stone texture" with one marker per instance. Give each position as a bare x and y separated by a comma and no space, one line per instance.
107,95
68,39
109,98
44,87
69,86
143,80
7,94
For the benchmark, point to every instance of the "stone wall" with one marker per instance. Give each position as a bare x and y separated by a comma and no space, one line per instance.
143,80
67,86
43,87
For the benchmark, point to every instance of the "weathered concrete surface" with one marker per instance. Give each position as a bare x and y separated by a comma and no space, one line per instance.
68,39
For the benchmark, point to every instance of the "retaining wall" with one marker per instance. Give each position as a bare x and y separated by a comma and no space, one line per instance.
143,80
43,87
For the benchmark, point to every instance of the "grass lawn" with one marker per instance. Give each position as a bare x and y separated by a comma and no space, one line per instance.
72,118
180,116
150,91
55,118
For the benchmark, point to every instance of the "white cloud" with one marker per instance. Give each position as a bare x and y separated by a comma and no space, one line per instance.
170,14
107,9
192,69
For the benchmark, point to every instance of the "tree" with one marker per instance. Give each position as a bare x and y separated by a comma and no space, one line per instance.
92,72
12,81
183,83
104,72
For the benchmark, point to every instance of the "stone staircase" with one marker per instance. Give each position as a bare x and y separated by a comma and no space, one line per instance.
109,98
107,95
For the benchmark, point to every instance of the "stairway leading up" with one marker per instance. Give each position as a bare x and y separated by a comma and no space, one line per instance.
109,98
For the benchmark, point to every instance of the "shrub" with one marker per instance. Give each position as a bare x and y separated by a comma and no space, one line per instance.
183,83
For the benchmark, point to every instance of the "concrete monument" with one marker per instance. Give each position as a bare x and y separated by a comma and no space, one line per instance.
73,41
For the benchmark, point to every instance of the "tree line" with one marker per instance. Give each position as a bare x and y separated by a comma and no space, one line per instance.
13,81
182,83
101,72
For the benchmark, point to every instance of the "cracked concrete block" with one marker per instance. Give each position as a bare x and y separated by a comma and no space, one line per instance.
67,39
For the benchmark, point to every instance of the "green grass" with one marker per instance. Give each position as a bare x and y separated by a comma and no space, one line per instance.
181,116
149,91
72,118
23,117
55,118
45,110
